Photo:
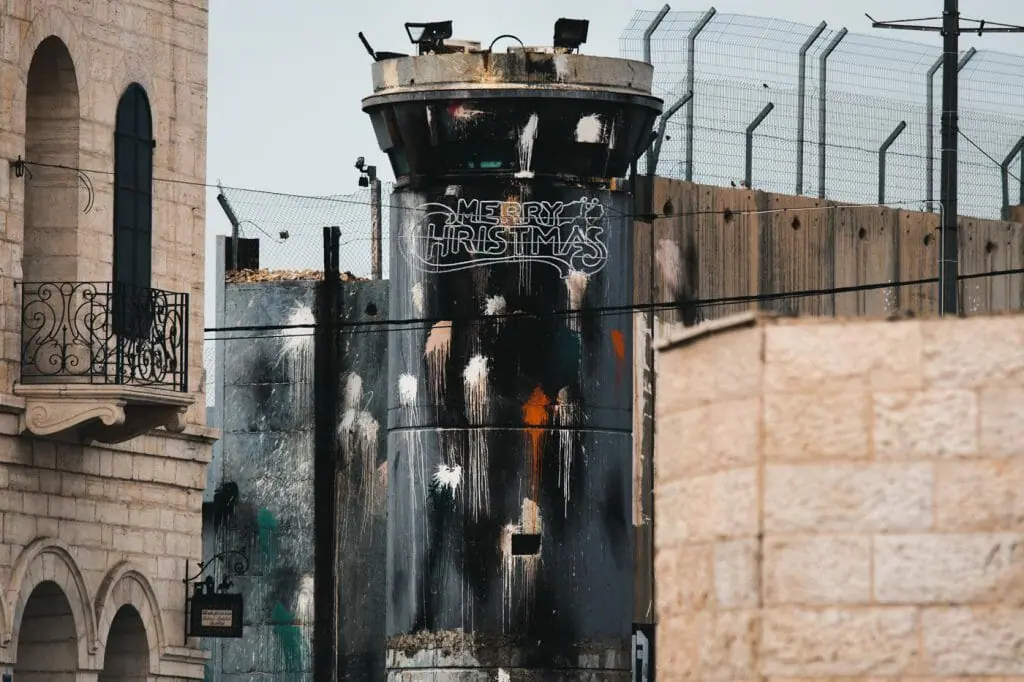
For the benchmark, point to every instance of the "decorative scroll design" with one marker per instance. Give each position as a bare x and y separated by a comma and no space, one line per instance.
237,566
565,235
103,332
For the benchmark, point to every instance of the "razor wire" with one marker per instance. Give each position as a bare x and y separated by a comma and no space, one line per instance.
872,84
290,227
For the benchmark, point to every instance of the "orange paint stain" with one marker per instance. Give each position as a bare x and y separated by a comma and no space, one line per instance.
536,417
619,348
619,345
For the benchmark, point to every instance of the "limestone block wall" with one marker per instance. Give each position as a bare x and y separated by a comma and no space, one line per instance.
98,48
841,499
110,527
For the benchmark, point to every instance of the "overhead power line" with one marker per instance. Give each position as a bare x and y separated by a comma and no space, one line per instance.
381,326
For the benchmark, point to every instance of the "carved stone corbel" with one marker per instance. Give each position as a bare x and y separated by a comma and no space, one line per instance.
139,420
55,415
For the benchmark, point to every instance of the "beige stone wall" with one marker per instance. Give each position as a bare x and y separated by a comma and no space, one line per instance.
162,45
109,525
841,499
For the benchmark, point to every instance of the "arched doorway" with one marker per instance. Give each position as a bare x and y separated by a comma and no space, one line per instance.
47,640
52,116
126,658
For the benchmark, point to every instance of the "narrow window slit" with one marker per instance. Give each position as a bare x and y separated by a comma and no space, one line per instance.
525,544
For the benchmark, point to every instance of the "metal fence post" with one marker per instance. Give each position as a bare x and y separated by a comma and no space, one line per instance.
749,174
651,159
881,159
802,104
654,151
822,124
691,59
1004,169
929,154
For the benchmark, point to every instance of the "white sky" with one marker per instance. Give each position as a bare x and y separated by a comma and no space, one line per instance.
286,79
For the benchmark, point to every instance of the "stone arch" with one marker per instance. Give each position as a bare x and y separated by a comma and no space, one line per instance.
53,140
125,585
50,560
47,22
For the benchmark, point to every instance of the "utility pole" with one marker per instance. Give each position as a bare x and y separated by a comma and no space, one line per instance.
950,29
375,226
368,178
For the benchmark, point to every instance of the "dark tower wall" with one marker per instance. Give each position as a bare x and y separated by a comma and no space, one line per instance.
510,408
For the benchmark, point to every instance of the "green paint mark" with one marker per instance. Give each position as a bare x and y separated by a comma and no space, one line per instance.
266,535
289,637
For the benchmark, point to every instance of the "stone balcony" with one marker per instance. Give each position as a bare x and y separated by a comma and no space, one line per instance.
102,361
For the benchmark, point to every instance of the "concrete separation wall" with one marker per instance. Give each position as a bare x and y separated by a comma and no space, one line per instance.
263,497
719,242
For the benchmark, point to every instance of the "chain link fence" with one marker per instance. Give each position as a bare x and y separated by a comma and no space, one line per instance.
872,85
290,227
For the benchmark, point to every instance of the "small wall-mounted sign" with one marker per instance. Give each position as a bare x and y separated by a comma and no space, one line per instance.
215,615
643,652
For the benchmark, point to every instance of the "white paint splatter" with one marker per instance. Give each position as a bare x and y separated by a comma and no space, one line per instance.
353,390
589,129
611,136
448,477
304,601
479,488
670,262
503,675
520,569
475,379
475,388
436,351
358,432
407,390
526,140
417,298
297,354
576,283
494,305
567,415
561,66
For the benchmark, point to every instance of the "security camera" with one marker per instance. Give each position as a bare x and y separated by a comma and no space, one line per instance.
360,163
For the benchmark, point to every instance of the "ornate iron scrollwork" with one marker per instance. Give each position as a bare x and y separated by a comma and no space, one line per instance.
239,566
106,332
224,609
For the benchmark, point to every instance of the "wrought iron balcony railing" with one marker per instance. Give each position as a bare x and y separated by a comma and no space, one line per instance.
104,333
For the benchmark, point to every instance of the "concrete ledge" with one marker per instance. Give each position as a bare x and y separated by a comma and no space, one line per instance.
688,335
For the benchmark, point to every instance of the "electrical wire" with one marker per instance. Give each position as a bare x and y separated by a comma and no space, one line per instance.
619,214
374,327
987,155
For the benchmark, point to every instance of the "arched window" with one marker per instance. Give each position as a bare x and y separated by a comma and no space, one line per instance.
133,191
133,214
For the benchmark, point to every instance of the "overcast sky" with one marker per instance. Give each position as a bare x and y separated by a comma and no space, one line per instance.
286,79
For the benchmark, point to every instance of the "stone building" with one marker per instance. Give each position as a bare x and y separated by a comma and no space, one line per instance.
841,499
103,447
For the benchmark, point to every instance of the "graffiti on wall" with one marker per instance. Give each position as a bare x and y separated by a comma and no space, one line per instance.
566,235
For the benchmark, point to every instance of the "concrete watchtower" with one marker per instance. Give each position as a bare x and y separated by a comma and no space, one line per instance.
510,411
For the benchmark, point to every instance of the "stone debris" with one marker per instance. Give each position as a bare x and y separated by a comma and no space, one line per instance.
264,275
